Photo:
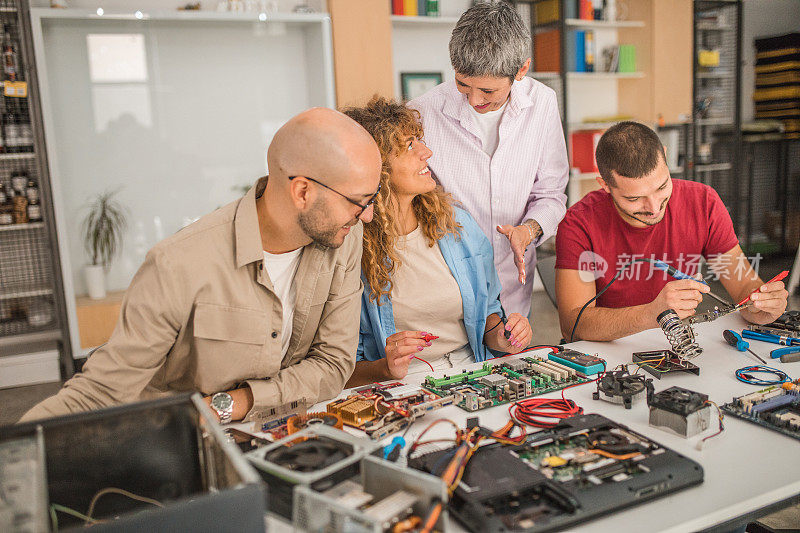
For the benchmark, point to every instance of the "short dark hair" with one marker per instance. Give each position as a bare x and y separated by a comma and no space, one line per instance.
630,149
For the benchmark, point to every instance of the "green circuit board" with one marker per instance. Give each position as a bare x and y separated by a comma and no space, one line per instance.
502,382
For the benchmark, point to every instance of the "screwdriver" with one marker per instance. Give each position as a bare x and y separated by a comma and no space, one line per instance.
736,340
779,277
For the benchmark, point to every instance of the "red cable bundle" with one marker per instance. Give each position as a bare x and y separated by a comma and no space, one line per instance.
532,410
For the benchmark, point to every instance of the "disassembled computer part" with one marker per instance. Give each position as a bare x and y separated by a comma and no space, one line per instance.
679,334
686,412
788,322
381,409
583,363
776,408
660,362
57,472
710,315
783,327
300,422
324,479
619,386
501,381
585,467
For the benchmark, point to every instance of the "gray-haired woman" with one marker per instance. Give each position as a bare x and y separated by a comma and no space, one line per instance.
498,146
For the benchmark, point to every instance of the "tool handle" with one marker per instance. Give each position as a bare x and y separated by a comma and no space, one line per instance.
790,358
733,338
779,277
780,352
674,272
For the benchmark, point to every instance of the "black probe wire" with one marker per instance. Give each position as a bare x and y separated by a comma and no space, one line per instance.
596,296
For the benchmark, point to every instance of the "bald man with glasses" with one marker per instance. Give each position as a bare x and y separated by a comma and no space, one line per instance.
255,305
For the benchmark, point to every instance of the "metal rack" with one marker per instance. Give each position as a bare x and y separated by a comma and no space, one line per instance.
720,128
32,306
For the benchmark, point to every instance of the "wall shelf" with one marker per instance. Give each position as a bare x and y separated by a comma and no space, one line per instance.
22,155
713,167
603,24
604,75
21,227
20,292
403,20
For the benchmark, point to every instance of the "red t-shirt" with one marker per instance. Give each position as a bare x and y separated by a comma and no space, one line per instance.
594,238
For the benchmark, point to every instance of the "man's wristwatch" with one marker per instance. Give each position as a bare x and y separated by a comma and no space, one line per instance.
222,403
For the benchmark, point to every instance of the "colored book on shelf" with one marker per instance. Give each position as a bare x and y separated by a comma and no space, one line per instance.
547,51
546,12
627,58
422,8
397,7
577,51
584,144
588,51
610,59
410,8
432,8
585,10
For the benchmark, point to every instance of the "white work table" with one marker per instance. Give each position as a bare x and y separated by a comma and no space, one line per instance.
747,468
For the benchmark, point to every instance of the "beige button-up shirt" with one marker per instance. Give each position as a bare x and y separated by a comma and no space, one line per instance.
201,315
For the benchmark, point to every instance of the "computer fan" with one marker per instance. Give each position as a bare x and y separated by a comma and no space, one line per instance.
619,386
684,411
310,455
318,456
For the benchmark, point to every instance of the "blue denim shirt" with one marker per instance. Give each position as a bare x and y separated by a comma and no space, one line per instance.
471,261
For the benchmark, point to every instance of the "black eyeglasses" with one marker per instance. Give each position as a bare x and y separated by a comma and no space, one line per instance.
363,207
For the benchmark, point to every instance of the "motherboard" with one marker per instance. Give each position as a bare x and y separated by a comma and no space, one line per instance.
776,408
502,381
585,467
381,409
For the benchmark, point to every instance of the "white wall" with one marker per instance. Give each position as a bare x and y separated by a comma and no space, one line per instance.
763,18
167,5
173,134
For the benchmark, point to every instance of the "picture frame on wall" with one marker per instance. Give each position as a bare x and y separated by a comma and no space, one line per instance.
414,84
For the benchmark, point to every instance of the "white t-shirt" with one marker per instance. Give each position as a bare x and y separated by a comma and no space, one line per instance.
281,269
426,297
489,126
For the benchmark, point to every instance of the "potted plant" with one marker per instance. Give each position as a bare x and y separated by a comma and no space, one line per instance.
102,238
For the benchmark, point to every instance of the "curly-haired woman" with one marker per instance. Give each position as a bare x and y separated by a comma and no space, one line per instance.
426,265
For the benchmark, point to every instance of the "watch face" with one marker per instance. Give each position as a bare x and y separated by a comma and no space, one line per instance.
222,401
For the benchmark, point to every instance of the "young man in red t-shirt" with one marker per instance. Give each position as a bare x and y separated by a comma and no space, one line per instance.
642,213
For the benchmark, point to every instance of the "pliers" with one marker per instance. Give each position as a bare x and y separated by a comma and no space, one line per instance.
790,354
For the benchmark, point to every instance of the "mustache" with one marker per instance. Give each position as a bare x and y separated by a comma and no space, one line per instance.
649,213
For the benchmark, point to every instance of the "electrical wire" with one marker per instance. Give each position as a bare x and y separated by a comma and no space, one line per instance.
122,492
599,294
720,416
424,361
745,375
531,411
54,507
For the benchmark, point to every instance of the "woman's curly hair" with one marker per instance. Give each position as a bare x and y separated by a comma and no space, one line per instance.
391,124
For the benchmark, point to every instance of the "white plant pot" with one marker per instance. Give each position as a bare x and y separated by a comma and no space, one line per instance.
95,277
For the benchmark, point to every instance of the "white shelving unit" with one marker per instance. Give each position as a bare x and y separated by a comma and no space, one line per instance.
403,20
169,132
604,75
603,24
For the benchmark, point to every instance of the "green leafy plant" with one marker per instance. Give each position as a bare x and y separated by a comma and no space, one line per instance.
103,227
